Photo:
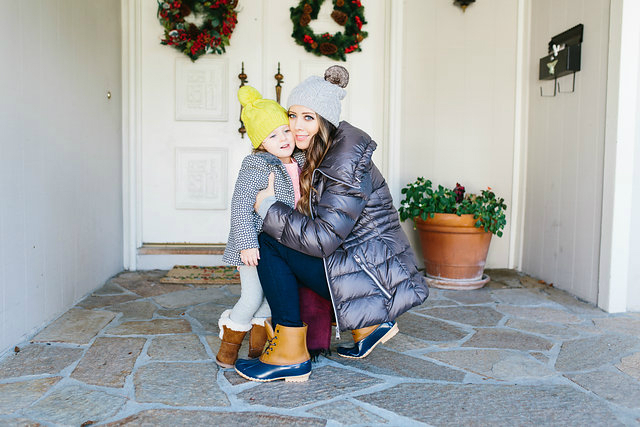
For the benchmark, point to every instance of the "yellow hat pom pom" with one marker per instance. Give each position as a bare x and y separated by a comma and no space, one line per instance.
248,95
260,116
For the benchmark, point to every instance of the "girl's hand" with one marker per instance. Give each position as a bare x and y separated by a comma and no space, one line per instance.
263,194
250,256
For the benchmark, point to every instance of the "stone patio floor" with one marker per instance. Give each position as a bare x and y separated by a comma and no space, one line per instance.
517,352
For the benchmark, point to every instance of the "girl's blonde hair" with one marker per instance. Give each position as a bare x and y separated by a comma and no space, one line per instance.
318,147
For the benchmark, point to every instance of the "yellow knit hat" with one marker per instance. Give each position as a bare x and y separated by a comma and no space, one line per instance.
260,116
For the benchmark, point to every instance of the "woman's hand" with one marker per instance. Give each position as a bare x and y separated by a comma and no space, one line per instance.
250,256
267,192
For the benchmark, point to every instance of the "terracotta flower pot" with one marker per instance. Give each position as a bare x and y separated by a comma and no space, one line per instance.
454,251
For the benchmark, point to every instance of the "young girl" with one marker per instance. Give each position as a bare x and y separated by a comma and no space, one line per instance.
267,126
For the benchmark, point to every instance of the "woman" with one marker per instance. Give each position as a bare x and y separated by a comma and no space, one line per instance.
345,243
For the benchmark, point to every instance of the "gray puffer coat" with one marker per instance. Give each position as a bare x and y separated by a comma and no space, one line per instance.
355,228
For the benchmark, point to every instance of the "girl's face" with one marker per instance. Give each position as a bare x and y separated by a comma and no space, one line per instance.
280,143
303,122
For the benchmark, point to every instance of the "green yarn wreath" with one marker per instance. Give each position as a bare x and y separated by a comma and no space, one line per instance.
219,20
348,13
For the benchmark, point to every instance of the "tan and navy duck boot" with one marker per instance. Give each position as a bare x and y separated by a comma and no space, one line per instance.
367,338
285,357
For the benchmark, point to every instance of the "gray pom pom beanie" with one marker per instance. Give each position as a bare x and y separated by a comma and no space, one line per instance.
319,95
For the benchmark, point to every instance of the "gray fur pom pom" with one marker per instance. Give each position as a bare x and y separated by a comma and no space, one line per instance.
337,75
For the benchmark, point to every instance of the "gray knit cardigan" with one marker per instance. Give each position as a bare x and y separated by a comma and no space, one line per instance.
253,177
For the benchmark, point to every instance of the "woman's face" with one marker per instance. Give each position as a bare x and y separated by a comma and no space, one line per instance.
303,122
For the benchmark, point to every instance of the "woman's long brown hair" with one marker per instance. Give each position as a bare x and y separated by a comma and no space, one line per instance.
314,155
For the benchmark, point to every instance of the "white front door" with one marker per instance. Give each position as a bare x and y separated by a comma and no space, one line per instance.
190,149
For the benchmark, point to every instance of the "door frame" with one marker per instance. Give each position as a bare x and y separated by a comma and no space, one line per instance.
131,131
131,11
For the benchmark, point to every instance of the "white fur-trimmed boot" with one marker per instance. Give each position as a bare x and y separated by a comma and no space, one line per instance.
231,334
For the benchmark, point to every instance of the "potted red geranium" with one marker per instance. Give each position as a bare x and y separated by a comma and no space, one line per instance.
455,231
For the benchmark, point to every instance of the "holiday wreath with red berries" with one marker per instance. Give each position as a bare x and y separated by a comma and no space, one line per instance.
218,21
347,13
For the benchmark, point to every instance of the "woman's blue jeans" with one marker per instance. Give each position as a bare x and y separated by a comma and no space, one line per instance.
282,270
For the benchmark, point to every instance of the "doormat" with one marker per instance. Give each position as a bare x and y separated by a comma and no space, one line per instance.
192,274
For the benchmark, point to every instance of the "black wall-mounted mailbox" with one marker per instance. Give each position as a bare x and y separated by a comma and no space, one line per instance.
567,61
564,54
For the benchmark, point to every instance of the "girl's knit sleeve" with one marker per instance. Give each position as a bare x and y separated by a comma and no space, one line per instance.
253,177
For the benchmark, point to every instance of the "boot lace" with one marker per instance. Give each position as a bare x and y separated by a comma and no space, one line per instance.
271,344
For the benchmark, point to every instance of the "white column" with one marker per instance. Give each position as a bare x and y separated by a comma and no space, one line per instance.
620,162
394,104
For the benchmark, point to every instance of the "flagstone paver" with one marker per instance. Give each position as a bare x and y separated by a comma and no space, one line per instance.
74,405
429,329
207,315
179,384
110,288
479,296
325,383
19,422
624,325
516,352
551,330
109,361
385,362
539,314
177,417
174,312
533,283
189,297
493,405
630,365
181,347
75,326
15,396
38,359
98,301
134,310
474,316
508,277
151,327
590,353
403,342
345,412
150,288
506,338
612,386
573,304
521,297
233,377
147,283
541,357
497,364
437,303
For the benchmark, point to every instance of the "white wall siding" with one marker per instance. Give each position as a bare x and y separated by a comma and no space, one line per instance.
458,106
565,152
60,158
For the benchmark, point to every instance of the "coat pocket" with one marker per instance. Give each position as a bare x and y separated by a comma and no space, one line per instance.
361,263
